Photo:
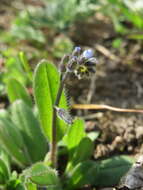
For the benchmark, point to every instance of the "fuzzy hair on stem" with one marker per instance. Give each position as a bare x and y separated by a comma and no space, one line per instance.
53,147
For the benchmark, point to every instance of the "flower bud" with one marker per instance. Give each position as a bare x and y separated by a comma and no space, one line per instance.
77,49
64,115
88,54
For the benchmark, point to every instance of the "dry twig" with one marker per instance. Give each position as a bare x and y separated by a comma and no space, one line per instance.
104,107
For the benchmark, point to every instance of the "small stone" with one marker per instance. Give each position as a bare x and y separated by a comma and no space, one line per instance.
139,132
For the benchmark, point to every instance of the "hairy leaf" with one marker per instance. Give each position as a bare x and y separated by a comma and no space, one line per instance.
29,127
46,84
11,140
43,175
112,169
100,173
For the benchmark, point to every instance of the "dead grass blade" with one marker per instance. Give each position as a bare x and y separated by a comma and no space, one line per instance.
104,107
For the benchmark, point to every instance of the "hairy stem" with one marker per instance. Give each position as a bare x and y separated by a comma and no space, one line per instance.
53,150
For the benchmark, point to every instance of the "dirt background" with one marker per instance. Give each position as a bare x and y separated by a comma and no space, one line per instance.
118,82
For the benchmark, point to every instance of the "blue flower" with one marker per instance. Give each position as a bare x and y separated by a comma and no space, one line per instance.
81,63
77,49
91,62
88,54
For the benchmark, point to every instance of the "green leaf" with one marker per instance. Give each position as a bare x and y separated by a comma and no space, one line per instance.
14,183
27,33
4,156
11,140
29,127
2,178
74,135
17,91
43,175
46,84
4,113
22,187
111,170
26,65
101,173
82,153
11,131
31,186
83,174
4,171
4,167
14,69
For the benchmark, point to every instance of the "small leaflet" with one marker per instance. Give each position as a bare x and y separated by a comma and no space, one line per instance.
64,115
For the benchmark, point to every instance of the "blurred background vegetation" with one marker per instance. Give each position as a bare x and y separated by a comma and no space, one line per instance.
50,28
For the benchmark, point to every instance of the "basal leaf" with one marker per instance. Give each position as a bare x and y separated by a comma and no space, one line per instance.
12,141
12,132
98,173
111,170
81,153
43,175
29,127
4,156
4,170
83,174
17,91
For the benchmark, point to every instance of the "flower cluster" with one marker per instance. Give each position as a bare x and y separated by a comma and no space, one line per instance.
81,63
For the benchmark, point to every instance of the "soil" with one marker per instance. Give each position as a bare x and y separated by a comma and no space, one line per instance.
119,86
118,83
